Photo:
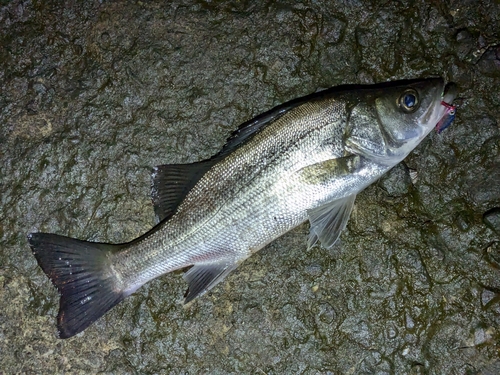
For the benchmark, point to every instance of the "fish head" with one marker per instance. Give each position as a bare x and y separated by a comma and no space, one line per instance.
386,123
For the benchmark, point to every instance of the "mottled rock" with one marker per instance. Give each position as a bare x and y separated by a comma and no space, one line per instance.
397,181
492,219
93,94
489,64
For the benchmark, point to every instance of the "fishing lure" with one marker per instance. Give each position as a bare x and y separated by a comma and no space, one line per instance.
448,117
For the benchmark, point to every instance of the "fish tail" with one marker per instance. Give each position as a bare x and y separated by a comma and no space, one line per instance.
82,273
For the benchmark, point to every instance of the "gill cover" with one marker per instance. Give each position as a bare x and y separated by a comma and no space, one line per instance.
387,123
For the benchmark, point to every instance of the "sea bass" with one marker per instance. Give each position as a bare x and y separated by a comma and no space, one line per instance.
304,160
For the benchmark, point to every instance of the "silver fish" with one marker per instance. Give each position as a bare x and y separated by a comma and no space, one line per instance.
304,160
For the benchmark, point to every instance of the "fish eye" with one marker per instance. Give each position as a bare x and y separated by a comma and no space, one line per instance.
408,101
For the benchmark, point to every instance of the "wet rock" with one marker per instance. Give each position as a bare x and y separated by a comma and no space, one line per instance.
489,64
493,254
491,368
93,94
466,43
485,190
492,219
397,181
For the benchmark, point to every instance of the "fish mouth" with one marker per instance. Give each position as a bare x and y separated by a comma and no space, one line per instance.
447,109
439,112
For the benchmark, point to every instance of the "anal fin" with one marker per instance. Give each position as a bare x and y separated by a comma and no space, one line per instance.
329,220
204,276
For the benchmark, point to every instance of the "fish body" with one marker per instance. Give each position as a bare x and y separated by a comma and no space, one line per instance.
304,160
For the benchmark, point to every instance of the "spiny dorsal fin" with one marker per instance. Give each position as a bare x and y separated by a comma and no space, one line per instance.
248,129
172,182
329,220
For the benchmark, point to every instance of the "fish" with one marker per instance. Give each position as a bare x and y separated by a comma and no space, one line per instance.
306,159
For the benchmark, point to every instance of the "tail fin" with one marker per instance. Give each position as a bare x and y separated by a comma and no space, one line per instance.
81,272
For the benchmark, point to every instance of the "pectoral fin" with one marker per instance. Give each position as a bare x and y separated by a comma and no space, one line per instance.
329,220
204,276
330,171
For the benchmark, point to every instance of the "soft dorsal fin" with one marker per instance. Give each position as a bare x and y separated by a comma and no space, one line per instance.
204,276
329,220
172,182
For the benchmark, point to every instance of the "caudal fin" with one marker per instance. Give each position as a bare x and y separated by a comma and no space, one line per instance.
81,272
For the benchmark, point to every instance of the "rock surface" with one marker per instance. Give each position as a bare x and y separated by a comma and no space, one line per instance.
93,94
